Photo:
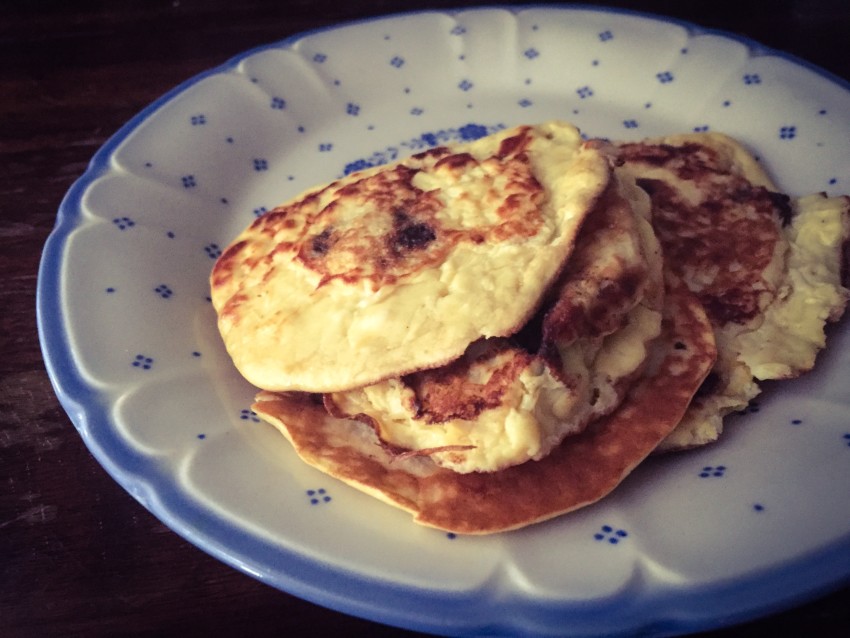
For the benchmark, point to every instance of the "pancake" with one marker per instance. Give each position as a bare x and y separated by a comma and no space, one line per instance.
578,472
507,402
766,268
401,267
495,334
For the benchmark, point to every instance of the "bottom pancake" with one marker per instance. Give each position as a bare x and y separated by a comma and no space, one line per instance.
582,470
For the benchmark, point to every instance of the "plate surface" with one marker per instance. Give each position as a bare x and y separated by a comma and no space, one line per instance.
692,541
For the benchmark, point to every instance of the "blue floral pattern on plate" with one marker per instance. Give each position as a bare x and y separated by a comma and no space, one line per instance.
125,315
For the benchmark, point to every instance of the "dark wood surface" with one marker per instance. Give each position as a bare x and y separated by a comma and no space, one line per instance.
79,556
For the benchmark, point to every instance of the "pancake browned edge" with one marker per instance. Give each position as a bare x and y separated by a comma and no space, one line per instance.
767,268
580,471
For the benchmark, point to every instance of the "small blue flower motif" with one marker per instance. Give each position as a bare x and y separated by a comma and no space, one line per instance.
357,165
429,139
352,109
665,77
198,120
249,415
584,92
751,78
846,438
531,53
142,362
701,129
465,85
318,496
278,103
758,507
319,58
123,223
164,291
202,436
261,164
260,211
525,103
608,533
606,35
471,132
458,30
416,111
325,147
188,181
630,123
397,62
213,251
712,471
787,132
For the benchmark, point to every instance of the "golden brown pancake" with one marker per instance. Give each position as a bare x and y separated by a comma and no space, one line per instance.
504,403
580,471
765,267
401,267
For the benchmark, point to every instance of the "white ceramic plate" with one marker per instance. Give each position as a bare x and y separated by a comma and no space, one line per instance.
693,541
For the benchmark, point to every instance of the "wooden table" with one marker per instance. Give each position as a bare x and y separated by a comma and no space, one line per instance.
79,556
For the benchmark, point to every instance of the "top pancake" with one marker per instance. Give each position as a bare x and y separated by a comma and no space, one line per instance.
400,268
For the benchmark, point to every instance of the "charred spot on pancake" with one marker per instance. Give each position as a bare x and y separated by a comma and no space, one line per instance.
321,243
515,144
688,161
437,151
720,240
409,234
456,161
447,392
224,266
571,318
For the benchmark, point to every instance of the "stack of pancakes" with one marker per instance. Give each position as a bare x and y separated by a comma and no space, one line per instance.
496,333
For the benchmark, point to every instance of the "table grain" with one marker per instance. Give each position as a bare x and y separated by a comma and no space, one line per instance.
78,555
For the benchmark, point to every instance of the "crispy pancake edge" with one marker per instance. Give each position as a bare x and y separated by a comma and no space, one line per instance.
583,469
